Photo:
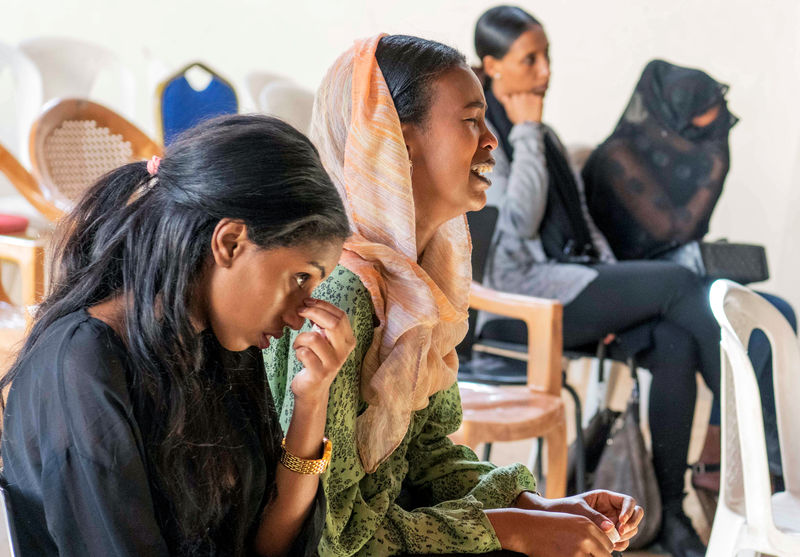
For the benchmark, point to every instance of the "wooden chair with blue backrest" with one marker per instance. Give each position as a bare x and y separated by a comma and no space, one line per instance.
182,106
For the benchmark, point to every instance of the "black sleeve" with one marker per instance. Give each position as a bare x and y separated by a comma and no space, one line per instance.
95,489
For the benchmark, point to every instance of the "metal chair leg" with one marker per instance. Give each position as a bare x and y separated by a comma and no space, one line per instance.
600,354
539,471
487,451
580,452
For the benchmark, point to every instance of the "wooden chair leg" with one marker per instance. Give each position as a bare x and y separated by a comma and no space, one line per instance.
32,269
557,462
28,255
3,296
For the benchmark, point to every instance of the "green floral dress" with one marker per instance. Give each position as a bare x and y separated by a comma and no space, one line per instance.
429,495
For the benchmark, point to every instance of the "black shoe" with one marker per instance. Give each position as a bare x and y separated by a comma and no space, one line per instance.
678,536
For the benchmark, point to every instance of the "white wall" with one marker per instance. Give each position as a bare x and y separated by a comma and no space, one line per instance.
598,49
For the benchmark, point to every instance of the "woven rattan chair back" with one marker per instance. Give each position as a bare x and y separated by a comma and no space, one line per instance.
75,142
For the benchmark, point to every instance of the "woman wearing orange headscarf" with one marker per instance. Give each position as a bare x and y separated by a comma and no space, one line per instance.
399,122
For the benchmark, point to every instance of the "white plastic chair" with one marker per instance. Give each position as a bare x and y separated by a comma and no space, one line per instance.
20,101
254,83
748,516
19,106
71,68
289,102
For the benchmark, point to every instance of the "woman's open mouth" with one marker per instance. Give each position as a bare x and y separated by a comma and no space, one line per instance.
482,168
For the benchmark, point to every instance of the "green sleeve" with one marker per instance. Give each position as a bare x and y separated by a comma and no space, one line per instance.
429,496
440,470
344,290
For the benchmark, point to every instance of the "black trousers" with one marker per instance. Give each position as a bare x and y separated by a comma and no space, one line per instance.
685,339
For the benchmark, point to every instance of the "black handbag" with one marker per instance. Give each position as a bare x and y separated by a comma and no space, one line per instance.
742,263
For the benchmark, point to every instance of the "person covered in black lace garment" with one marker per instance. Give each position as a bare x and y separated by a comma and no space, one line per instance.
651,187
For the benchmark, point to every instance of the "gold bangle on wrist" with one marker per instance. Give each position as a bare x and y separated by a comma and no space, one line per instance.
307,465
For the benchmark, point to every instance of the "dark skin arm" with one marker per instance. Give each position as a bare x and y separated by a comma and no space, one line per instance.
580,525
606,509
322,355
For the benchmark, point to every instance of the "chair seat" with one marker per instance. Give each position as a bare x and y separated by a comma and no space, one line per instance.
493,413
12,224
15,204
495,370
509,338
786,512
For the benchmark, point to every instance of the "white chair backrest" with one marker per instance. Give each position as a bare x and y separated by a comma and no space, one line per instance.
578,155
254,83
7,527
289,102
72,69
746,488
20,100
157,71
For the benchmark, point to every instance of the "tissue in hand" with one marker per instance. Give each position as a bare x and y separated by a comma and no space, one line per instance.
613,535
317,329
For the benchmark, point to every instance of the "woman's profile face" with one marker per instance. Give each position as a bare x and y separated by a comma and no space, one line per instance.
526,66
251,293
451,150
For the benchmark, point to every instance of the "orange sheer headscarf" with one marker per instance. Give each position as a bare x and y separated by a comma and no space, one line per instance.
422,307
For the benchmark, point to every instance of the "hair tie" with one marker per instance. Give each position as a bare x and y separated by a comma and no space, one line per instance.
152,165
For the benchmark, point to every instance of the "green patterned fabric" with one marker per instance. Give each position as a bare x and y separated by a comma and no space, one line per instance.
429,496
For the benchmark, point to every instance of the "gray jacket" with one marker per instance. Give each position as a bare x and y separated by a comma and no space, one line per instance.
517,262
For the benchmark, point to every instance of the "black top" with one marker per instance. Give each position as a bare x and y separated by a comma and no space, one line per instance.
74,458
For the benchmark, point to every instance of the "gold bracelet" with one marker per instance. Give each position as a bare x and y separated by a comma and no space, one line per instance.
307,465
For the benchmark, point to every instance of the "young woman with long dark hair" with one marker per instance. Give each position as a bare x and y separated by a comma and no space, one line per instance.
139,421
